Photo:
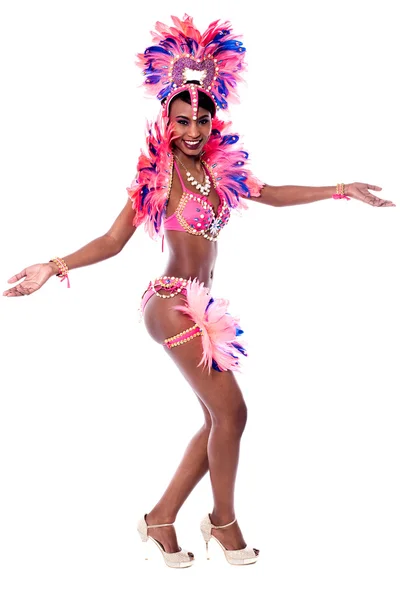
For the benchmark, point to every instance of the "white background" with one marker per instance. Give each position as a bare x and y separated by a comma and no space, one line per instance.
94,417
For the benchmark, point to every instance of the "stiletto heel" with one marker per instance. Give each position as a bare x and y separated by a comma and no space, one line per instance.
145,551
176,560
245,556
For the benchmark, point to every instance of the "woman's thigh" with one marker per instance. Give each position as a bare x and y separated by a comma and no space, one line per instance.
219,391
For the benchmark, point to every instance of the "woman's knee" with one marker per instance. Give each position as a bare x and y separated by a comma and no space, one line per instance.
207,416
232,416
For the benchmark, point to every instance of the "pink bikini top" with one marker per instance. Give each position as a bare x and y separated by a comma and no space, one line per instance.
195,214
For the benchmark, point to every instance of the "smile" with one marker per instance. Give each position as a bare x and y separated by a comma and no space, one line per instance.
192,144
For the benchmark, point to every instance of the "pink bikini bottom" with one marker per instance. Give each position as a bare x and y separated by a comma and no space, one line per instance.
219,331
165,287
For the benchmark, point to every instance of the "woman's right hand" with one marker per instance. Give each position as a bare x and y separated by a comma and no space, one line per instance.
35,277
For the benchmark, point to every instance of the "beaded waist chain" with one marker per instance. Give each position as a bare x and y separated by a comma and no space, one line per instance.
172,285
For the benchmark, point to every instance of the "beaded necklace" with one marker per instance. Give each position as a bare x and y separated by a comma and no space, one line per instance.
205,187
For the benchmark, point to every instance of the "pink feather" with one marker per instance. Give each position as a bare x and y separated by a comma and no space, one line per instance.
218,327
227,162
148,191
183,39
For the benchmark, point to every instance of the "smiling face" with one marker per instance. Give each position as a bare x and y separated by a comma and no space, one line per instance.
191,135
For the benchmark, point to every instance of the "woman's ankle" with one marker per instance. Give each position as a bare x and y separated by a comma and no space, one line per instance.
161,517
222,518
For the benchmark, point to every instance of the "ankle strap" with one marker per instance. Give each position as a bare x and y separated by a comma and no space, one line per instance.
164,525
223,526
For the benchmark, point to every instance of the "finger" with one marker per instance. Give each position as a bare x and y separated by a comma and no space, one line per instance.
24,290
15,278
379,202
19,290
372,200
376,188
12,292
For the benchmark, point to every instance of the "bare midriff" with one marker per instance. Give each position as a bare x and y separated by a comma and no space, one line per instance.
190,256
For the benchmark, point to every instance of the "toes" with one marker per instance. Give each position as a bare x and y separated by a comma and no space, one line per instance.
191,555
257,552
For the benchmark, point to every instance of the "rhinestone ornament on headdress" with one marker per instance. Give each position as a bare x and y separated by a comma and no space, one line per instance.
181,58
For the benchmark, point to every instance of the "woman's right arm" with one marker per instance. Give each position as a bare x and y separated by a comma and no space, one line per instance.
105,246
101,248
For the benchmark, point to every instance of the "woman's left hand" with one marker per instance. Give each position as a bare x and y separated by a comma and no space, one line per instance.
360,191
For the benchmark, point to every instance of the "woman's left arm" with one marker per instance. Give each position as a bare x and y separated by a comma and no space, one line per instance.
292,195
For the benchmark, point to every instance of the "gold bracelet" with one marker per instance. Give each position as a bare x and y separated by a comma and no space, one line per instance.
62,266
340,193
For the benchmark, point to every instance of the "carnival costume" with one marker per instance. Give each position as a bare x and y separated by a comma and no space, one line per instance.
182,59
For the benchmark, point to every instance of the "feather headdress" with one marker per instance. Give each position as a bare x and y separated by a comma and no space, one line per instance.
181,58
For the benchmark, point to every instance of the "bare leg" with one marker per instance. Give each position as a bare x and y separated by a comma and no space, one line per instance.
191,470
221,396
220,441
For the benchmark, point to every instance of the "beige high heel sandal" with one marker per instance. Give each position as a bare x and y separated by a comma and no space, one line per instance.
176,560
245,556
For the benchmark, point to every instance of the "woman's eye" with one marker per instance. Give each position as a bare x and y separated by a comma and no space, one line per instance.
182,122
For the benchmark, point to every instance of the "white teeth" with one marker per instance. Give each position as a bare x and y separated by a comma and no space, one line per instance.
192,143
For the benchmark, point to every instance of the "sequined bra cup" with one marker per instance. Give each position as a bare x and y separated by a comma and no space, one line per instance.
195,214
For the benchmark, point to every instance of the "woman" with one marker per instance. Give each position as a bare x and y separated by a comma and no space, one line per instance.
190,179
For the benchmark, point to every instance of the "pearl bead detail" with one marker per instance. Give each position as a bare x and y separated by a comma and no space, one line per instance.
175,340
174,283
205,187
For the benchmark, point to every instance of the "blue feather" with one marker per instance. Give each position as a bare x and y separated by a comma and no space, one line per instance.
143,194
240,348
149,69
153,79
164,92
229,139
171,44
192,45
215,366
157,50
233,45
220,35
152,148
211,300
222,89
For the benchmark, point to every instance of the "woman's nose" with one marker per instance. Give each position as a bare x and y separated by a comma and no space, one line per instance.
194,130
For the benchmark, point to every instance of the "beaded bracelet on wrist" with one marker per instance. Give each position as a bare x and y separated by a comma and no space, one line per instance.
62,269
340,192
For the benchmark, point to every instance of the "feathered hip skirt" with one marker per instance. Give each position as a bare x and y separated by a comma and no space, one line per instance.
219,331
